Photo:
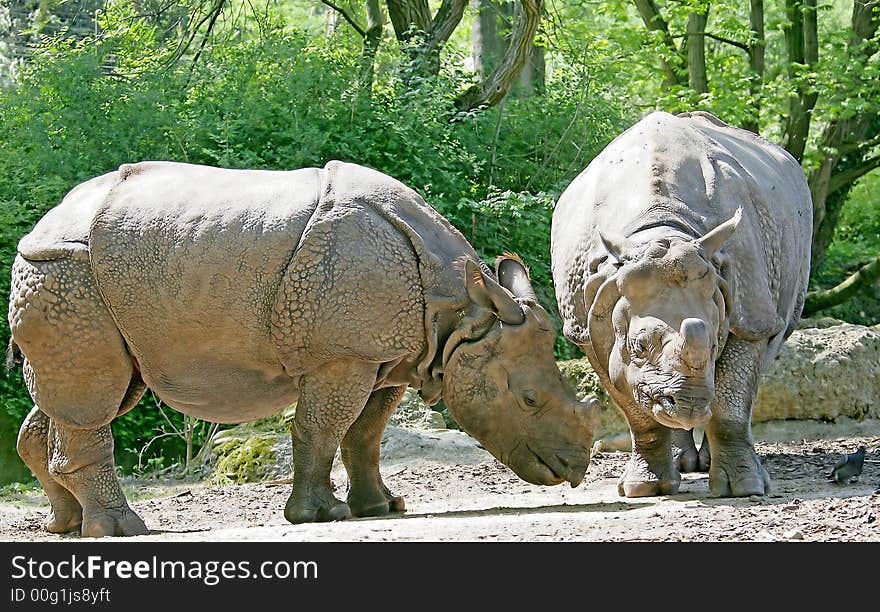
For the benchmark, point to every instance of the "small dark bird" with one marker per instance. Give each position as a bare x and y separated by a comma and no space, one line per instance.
849,467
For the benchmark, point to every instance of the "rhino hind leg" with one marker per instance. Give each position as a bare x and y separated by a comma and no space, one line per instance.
331,399
65,512
736,469
650,470
684,450
367,494
80,375
82,461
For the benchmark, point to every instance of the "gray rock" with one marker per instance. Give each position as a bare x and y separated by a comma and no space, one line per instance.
823,374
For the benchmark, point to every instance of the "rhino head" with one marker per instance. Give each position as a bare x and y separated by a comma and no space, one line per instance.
502,385
659,321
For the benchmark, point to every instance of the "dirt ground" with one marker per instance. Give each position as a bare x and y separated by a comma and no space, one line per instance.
466,495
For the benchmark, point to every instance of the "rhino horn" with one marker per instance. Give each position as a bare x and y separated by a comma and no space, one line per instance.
513,275
695,343
486,292
715,239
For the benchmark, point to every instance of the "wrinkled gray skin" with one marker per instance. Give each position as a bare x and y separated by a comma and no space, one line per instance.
680,258
234,293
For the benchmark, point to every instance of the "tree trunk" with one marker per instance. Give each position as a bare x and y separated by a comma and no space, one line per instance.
533,77
408,17
696,51
490,36
844,160
493,89
487,45
831,182
372,39
803,53
756,62
650,14
371,36
424,36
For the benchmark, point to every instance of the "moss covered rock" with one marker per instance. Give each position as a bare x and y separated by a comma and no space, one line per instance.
579,373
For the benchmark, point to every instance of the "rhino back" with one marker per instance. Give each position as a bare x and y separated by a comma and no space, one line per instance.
189,259
683,175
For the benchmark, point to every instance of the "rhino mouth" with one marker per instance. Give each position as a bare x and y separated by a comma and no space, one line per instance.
668,412
557,467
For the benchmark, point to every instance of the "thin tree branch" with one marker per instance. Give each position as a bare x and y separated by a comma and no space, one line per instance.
495,141
552,153
217,10
347,17
182,48
728,41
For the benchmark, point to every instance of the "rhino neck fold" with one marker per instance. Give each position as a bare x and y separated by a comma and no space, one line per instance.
442,319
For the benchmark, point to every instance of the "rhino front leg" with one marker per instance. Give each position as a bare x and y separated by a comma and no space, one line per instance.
33,447
651,470
367,494
331,399
736,469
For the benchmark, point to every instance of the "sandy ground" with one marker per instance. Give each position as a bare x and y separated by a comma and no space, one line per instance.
454,490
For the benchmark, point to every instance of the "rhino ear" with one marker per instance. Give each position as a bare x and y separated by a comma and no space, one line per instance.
615,246
715,239
486,292
513,275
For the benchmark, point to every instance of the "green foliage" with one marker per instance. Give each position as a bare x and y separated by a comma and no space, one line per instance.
243,459
856,241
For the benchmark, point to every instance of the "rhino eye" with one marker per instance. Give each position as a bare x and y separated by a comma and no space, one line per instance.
640,346
529,398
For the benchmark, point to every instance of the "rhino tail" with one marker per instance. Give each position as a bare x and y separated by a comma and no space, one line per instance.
13,355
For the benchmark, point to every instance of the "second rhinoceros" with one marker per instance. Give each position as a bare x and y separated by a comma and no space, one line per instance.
235,293
681,257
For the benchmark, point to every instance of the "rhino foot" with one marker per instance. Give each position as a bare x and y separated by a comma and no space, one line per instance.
112,522
639,480
299,511
738,475
684,451
362,506
64,517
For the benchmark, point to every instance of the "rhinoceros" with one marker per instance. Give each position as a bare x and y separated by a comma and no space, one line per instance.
680,259
233,294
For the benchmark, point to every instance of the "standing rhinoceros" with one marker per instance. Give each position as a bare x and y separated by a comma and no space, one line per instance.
680,258
234,293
